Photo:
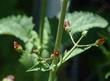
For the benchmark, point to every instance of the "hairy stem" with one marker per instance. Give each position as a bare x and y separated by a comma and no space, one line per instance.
52,75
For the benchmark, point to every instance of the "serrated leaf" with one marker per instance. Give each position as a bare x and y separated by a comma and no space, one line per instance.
47,32
34,41
81,21
39,66
34,38
29,47
18,26
28,60
75,52
47,39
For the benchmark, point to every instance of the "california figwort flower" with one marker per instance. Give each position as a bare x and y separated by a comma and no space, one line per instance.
67,25
55,54
17,46
100,41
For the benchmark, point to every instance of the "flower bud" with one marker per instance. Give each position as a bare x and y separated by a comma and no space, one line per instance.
17,46
84,33
100,41
67,25
55,54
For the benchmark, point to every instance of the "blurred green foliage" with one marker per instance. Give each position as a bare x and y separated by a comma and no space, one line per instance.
9,63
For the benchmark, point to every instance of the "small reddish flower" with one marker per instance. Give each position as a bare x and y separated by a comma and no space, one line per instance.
100,41
17,46
67,25
55,54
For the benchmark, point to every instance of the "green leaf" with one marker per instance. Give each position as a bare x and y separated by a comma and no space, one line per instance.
22,28
47,32
47,40
29,46
34,41
18,26
80,21
75,52
28,60
39,66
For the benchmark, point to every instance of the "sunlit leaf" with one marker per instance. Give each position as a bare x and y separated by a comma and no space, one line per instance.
18,26
28,60
47,39
75,52
81,21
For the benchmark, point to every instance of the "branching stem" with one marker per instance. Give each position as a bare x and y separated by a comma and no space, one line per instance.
52,75
72,38
73,48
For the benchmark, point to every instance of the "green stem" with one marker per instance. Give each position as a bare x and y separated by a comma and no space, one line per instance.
86,45
67,55
52,75
72,38
42,20
60,26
